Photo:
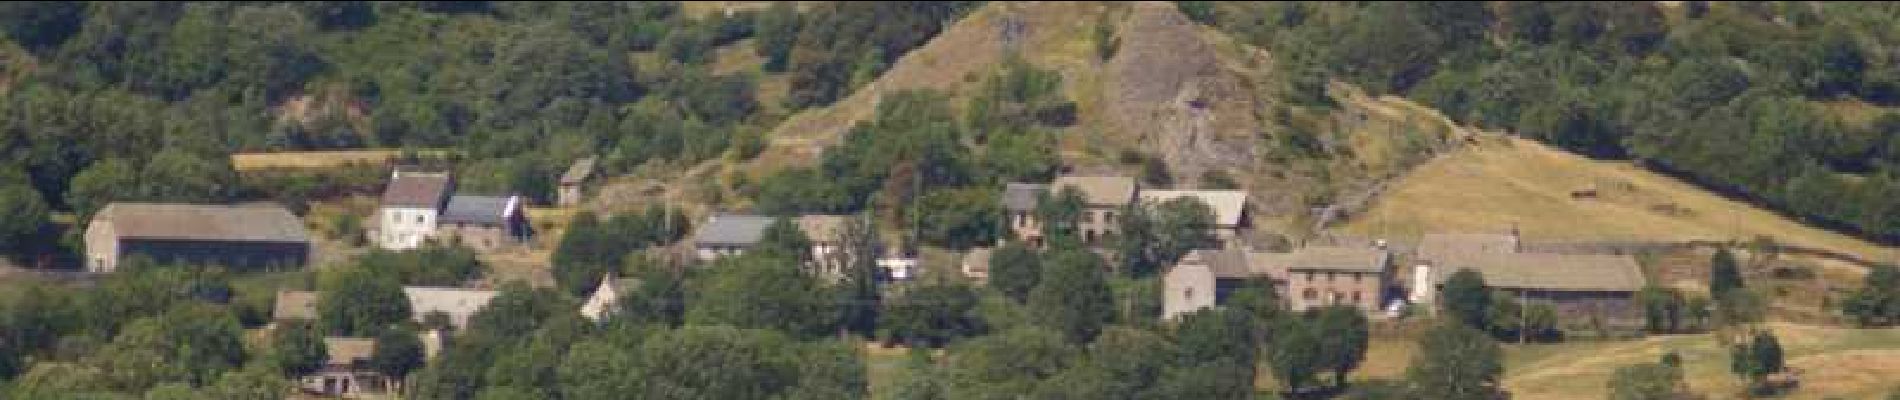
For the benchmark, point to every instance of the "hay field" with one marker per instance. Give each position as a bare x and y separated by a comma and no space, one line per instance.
1504,182
244,162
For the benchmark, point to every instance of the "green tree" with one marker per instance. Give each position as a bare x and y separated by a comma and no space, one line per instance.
759,292
922,379
102,183
857,254
1878,299
1060,212
1456,361
958,218
1344,336
1295,353
784,240
298,349
777,30
1646,381
1015,270
354,301
599,369
1756,358
582,257
22,213
1072,295
1465,298
1663,309
932,314
1181,225
249,384
398,353
1724,273
1008,364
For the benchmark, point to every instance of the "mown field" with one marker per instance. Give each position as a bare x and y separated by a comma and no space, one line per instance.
1502,183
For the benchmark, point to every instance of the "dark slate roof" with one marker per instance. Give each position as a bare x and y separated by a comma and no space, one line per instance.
1022,196
408,189
732,229
479,209
578,172
204,222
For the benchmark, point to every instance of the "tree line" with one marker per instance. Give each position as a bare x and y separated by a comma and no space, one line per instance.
1742,97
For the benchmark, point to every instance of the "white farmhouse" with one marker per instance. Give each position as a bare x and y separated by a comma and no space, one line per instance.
410,205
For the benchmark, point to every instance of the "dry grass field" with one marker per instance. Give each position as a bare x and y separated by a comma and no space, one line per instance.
1835,363
317,159
1503,183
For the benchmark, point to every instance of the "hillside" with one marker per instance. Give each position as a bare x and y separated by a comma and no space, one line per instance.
1172,90
1502,183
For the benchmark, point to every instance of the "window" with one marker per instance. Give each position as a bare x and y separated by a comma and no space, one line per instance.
418,219
1355,297
1309,276
1310,294
1108,216
1188,293
1329,277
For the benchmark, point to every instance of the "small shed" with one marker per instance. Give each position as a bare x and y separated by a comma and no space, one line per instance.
572,182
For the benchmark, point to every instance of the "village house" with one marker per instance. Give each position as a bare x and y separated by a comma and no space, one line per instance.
250,236
1229,208
453,305
347,373
573,183
1306,278
294,305
410,205
1019,207
1581,287
485,223
826,233
605,301
976,264
1325,276
1102,197
728,235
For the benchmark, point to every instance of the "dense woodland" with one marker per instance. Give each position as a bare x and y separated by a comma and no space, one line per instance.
1788,104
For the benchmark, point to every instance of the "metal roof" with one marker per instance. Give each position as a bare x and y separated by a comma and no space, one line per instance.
348,350
492,210
1022,196
266,222
1228,205
1551,272
733,229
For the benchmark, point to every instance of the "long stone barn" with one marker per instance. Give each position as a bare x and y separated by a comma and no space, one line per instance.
247,237
1582,287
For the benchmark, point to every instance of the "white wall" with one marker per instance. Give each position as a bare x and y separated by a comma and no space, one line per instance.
403,228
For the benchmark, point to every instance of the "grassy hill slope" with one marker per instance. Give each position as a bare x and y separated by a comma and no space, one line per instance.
1500,183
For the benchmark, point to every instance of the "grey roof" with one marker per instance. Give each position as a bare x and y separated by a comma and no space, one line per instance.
1444,247
1551,272
1224,263
823,228
348,350
480,209
732,229
295,305
458,303
416,189
1022,196
1229,206
1340,259
578,172
1100,190
266,222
